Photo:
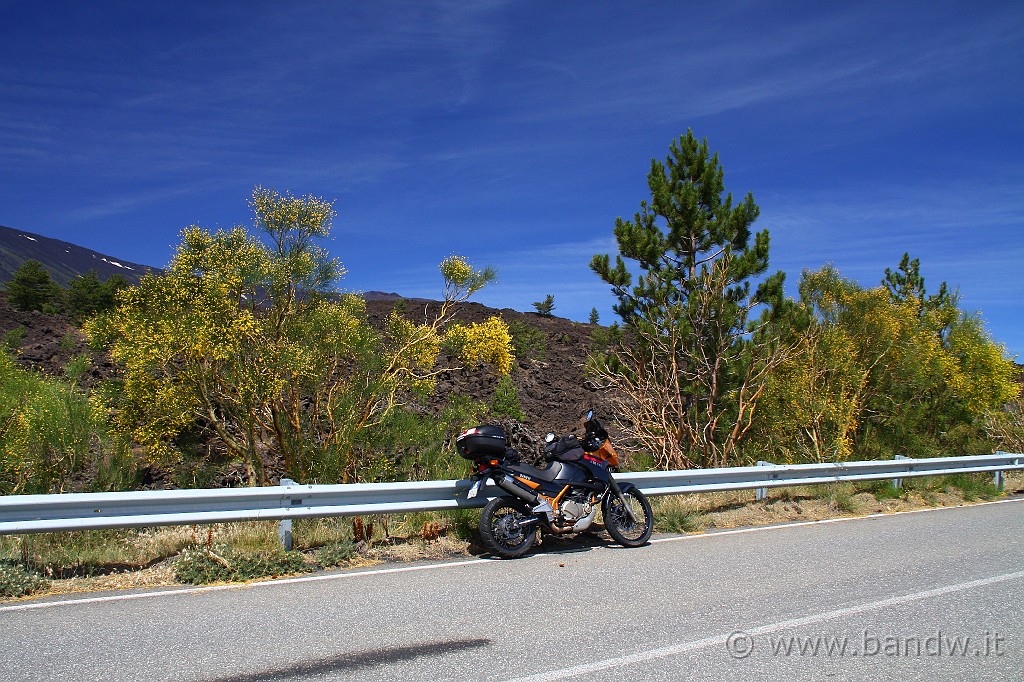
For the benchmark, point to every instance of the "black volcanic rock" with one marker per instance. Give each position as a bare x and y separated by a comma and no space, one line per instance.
553,392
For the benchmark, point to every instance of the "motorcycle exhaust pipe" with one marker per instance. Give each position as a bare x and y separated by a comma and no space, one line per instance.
508,484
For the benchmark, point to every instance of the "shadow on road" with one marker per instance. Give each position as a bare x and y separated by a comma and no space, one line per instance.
562,544
355,661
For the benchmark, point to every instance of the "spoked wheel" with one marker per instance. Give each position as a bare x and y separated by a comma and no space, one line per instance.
627,531
501,527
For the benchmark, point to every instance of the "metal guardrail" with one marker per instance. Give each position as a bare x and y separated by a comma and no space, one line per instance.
86,511
774,476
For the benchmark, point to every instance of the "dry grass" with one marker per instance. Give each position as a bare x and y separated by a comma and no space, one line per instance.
416,549
695,513
158,575
127,559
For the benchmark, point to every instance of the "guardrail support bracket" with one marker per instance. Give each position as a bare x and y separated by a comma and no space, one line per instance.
898,482
761,494
284,527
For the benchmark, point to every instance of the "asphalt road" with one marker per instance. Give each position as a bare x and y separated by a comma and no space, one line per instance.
914,596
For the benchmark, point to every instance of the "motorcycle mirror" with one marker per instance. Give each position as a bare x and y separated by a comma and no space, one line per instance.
590,415
548,438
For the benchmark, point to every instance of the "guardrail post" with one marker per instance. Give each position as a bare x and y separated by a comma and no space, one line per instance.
898,482
762,493
284,527
999,479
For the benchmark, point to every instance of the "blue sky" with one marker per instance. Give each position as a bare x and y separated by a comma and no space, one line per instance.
516,132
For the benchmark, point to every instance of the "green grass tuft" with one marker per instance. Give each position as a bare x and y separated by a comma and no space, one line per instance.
677,515
839,496
884,490
973,486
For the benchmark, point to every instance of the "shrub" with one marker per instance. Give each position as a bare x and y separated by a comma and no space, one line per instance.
412,445
17,582
269,564
528,341
602,339
335,554
13,338
506,400
200,565
51,430
68,341
487,342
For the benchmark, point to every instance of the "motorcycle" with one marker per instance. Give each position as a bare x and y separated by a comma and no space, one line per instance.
562,498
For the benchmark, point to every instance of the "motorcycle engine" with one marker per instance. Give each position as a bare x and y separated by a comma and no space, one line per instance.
573,511
575,506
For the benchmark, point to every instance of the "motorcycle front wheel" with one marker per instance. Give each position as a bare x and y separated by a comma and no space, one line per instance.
625,530
501,527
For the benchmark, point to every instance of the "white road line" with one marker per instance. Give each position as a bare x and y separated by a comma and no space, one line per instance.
720,640
449,564
239,586
797,524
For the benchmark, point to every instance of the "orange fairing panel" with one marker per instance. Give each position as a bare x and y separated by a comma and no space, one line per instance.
607,452
525,482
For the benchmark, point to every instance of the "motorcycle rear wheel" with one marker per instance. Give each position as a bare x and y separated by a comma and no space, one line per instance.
625,531
500,527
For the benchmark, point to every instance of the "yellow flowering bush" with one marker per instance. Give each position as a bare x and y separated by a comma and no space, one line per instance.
248,340
487,342
881,375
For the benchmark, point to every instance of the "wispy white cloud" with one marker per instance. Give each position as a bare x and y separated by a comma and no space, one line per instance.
127,202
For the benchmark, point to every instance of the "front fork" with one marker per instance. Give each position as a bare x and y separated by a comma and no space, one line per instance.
622,498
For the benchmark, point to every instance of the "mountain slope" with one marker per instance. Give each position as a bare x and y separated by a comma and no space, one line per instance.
61,259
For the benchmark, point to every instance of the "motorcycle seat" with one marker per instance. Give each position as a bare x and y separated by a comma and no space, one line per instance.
546,475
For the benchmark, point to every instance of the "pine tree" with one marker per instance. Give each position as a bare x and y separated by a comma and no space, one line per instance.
546,306
690,369
906,282
31,287
594,317
87,295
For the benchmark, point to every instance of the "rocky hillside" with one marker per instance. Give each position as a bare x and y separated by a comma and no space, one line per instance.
548,376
